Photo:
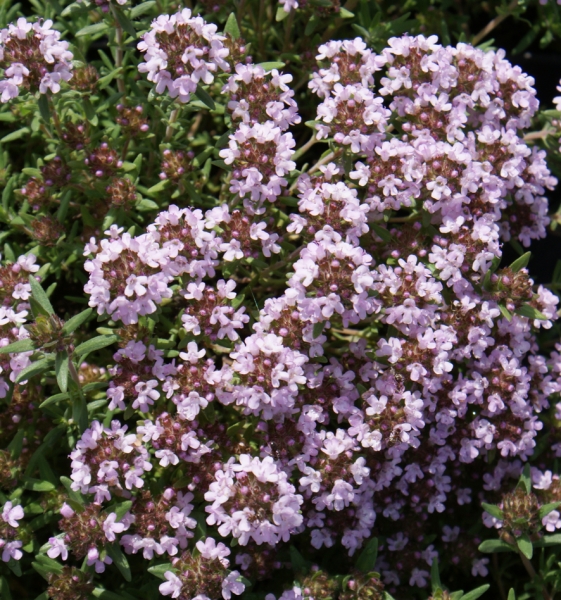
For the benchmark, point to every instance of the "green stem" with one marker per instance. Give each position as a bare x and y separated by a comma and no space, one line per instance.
54,113
172,120
119,54
301,151
288,31
260,23
532,573
494,23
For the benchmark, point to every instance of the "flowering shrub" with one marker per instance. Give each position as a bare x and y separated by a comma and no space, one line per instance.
234,362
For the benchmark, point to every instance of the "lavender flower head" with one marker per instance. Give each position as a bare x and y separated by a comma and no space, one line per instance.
182,51
33,58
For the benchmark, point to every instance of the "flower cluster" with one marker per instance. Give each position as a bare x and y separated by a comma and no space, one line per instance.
259,151
33,58
9,545
181,51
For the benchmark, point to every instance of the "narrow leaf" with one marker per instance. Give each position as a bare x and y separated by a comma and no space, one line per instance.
547,508
269,66
54,399
525,546
367,558
521,262
493,510
120,560
40,296
72,324
549,540
92,29
44,110
511,594
35,368
139,10
525,479
435,576
491,546
530,312
62,370
124,21
96,343
281,14
232,28
37,485
318,329
122,509
505,312
477,593
204,97
160,570
19,346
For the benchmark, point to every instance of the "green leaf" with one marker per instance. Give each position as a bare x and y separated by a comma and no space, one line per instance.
299,563
367,558
92,29
146,204
345,14
139,10
15,135
120,560
20,346
281,14
511,594
40,296
15,567
232,28
493,510
16,445
90,111
505,312
530,312
547,508
318,329
159,187
44,110
193,192
435,576
73,495
122,509
42,570
525,480
54,399
106,595
160,570
125,23
269,66
79,407
34,368
381,232
492,546
525,546
96,343
72,324
205,98
521,262
477,593
37,485
5,589
62,370
548,540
